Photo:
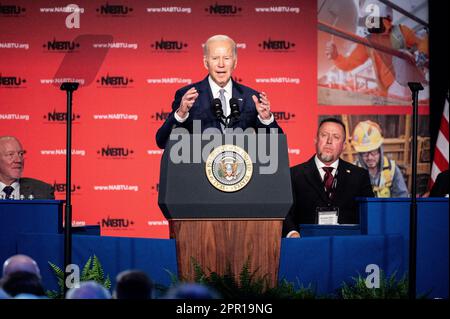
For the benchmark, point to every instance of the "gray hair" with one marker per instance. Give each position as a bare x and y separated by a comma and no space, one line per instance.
219,37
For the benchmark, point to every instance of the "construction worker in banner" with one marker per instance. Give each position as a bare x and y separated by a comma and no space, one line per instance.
385,176
392,73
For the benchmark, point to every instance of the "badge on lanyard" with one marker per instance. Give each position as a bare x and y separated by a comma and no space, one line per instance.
327,215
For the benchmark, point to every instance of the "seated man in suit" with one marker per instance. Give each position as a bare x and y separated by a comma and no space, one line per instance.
325,187
12,184
194,102
441,185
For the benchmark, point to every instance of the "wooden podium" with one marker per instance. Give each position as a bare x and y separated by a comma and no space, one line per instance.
216,243
220,229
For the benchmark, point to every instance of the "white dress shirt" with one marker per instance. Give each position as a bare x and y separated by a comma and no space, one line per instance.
228,95
215,89
15,193
319,166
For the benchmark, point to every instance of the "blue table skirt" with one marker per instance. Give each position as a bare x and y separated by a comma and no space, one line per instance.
325,262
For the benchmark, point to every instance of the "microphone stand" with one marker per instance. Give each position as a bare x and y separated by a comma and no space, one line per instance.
415,87
69,87
229,120
226,121
234,112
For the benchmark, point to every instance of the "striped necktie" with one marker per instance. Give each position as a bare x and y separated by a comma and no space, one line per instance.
8,191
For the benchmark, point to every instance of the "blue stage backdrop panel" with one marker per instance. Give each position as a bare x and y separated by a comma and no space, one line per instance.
25,216
156,257
327,262
383,216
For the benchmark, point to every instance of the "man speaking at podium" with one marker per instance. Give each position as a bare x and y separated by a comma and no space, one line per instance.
12,185
199,101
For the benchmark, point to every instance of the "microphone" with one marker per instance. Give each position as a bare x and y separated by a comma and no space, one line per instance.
234,109
69,86
217,108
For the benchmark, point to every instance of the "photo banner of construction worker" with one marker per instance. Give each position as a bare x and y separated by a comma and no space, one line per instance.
343,58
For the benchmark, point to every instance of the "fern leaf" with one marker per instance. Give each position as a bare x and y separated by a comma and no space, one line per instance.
97,270
173,277
58,271
86,268
107,283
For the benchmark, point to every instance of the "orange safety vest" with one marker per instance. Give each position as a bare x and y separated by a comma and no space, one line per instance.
382,62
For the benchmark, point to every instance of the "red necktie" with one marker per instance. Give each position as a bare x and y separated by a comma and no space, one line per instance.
328,178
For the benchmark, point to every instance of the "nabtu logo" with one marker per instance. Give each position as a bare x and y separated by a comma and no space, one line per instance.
283,116
223,9
114,81
60,117
61,187
168,45
11,10
160,116
116,222
115,152
276,45
61,46
11,81
114,10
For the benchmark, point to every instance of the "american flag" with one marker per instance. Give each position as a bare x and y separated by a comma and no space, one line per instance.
440,162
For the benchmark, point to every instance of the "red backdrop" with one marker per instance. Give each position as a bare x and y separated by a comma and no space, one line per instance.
154,49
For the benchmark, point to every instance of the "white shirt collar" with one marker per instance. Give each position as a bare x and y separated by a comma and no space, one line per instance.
319,166
15,185
216,88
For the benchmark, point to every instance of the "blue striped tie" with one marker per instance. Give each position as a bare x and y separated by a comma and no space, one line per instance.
8,191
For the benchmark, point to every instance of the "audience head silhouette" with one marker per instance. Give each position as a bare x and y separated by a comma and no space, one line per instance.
133,284
3,294
20,263
191,291
22,282
88,290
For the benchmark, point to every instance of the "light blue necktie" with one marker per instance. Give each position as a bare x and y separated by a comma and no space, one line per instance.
224,105
224,101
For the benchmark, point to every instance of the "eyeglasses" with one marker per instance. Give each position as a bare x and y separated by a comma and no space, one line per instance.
372,153
10,155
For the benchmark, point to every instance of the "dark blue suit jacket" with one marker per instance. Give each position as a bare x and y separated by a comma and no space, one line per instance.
37,188
202,110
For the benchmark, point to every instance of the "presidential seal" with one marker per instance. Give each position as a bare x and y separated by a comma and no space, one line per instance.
229,168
